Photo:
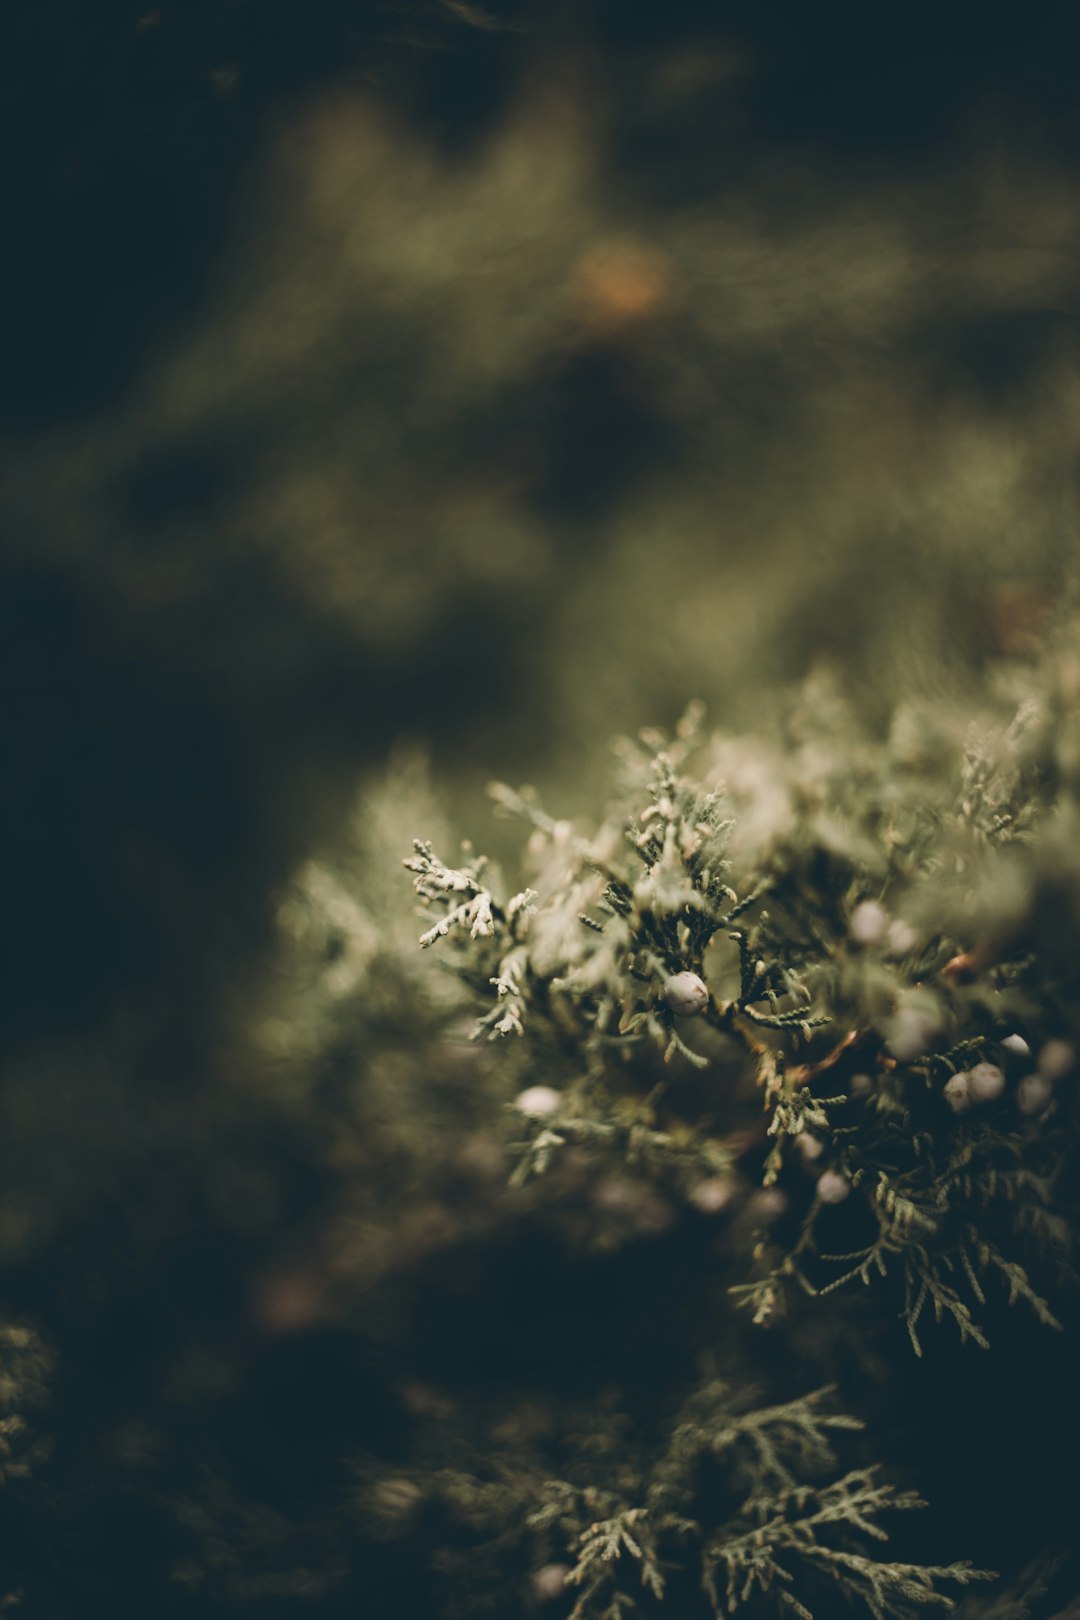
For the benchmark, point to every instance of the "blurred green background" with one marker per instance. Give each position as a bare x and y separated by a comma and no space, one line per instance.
500,378
483,380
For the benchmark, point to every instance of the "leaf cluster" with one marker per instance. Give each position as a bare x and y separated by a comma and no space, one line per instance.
741,1504
888,905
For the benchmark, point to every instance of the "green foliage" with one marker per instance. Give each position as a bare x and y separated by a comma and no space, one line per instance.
743,1503
534,386
820,992
874,889
1018,1600
25,1372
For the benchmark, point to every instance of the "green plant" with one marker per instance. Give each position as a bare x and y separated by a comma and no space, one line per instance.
822,990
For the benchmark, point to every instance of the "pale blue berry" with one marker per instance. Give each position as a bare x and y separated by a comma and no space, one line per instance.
686,994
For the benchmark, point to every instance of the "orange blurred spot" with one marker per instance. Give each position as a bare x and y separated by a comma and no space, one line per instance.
289,1303
621,284
963,969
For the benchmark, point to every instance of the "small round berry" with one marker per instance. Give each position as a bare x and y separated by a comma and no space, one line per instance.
860,1085
957,1093
1034,1094
634,1204
538,1102
713,1195
1056,1059
809,1147
901,938
1017,1044
911,1031
768,1203
986,1082
832,1187
686,994
868,923
549,1582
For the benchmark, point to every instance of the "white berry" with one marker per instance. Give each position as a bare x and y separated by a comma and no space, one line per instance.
1056,1059
832,1187
986,1082
686,994
1033,1094
901,938
549,1582
538,1101
910,1032
957,1093
713,1195
768,1203
868,923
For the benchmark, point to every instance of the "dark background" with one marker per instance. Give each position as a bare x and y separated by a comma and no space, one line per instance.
496,378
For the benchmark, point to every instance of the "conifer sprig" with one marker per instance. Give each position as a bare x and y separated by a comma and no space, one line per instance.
616,968
624,1520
